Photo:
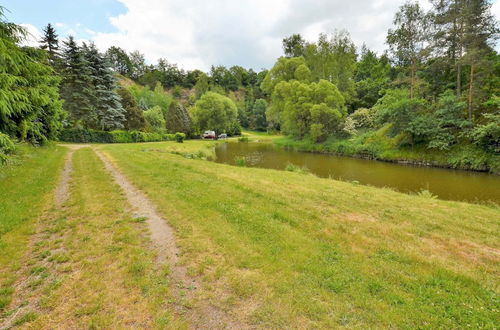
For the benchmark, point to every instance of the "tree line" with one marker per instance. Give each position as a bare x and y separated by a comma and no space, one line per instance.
436,85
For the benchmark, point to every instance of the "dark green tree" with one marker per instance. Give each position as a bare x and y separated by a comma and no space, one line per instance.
76,86
50,43
134,116
177,119
294,45
119,61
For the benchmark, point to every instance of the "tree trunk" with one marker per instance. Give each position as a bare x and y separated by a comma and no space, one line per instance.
470,90
459,80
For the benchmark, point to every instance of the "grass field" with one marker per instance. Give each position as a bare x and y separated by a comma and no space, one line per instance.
273,249
309,252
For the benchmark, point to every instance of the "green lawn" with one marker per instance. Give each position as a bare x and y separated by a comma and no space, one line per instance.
25,190
283,249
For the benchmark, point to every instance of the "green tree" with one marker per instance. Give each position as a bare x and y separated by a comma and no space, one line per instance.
138,64
334,59
215,112
50,43
258,116
294,46
76,86
119,61
407,41
201,86
372,77
308,109
178,119
155,122
109,113
30,108
134,116
449,121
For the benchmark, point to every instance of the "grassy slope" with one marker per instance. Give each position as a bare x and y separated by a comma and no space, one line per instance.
377,145
309,252
25,187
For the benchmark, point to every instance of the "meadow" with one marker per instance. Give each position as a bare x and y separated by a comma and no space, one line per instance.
271,249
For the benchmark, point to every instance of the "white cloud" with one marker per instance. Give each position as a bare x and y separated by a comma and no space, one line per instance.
199,33
33,35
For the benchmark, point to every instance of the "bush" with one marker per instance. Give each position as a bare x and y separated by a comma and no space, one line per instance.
363,118
81,135
179,137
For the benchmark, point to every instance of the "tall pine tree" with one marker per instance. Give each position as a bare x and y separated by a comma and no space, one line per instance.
50,43
76,86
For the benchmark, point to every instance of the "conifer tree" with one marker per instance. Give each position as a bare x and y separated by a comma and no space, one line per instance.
76,86
177,118
50,43
109,113
30,108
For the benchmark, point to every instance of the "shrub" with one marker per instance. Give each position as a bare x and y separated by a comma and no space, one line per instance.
179,137
121,137
243,139
80,135
241,161
362,117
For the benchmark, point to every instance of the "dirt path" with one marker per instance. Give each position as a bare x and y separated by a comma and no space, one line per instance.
203,315
62,190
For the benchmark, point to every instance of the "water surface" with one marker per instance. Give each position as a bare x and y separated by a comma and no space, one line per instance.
445,183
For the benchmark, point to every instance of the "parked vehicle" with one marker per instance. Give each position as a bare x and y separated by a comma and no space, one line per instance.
223,136
209,135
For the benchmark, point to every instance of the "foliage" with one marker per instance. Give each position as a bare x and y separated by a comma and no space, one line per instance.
81,135
333,58
201,86
294,46
362,118
30,108
487,135
257,120
215,112
134,116
6,147
178,119
314,109
155,122
179,137
50,43
119,61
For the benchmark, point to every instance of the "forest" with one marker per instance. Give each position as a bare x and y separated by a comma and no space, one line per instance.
436,89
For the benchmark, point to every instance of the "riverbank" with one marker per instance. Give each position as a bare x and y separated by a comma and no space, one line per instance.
378,146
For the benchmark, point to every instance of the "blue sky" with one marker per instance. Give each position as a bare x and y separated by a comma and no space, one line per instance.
199,33
75,15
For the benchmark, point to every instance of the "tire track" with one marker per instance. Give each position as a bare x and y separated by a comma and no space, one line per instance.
203,315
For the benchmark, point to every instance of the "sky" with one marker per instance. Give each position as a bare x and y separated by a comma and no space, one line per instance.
196,34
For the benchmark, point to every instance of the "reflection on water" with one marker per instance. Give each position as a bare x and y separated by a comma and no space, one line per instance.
445,183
